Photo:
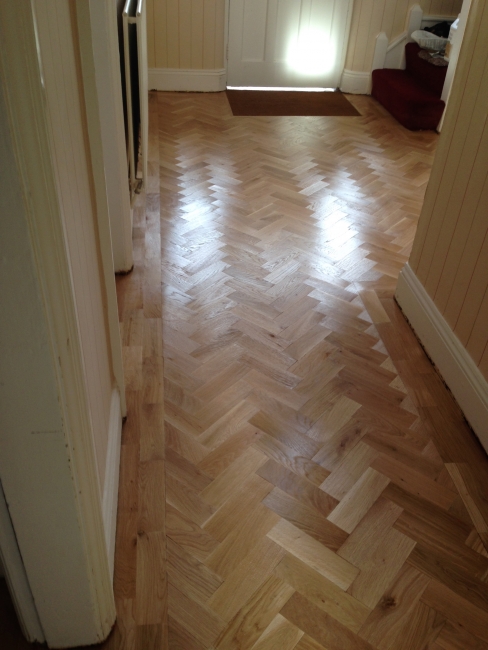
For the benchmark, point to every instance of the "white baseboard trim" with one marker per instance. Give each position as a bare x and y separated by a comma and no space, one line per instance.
203,81
457,368
356,83
111,486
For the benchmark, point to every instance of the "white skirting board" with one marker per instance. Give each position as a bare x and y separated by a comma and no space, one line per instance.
356,83
203,81
111,486
457,368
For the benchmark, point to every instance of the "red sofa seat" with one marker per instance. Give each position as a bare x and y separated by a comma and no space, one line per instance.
412,95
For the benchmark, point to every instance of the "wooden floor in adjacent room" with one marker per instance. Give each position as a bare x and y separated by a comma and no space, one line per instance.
312,486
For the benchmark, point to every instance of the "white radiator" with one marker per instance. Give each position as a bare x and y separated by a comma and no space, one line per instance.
135,57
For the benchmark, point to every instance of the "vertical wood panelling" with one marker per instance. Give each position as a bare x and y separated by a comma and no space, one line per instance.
364,27
400,17
197,34
151,56
370,17
186,34
388,17
172,35
457,198
472,305
450,252
64,106
209,35
158,36
219,34
467,237
477,341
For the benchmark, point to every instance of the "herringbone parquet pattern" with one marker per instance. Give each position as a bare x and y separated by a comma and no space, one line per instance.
312,466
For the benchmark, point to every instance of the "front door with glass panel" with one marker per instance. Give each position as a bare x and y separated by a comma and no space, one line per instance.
287,43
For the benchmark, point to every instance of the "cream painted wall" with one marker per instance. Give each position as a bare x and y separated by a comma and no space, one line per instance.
450,252
186,34
370,17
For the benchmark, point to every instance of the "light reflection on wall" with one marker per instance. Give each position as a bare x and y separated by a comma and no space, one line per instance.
312,54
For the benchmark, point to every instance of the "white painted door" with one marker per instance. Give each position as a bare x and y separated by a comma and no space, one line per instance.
295,43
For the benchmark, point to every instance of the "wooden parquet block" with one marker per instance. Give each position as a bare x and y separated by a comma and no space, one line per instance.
315,485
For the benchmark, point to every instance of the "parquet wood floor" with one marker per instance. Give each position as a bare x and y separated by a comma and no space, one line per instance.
301,478
317,477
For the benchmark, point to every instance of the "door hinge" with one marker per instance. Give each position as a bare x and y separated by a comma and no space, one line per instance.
227,51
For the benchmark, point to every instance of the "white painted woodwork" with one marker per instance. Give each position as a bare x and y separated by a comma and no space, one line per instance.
356,83
380,51
454,362
58,373
293,43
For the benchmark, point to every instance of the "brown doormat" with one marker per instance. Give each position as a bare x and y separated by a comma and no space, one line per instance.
289,103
